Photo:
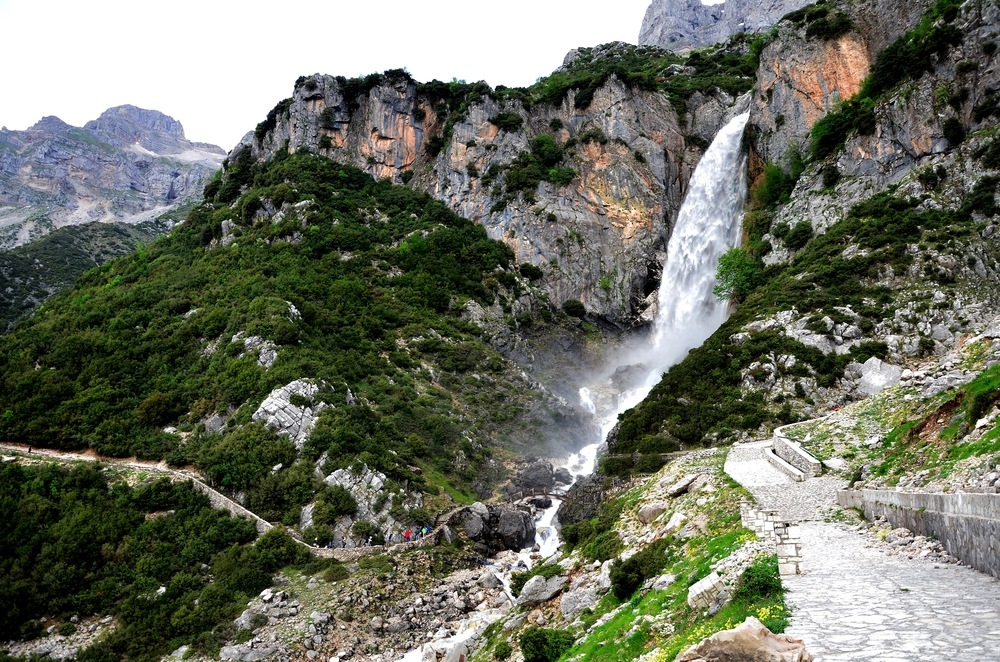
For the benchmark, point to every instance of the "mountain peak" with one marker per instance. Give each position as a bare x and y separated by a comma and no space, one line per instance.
124,125
49,123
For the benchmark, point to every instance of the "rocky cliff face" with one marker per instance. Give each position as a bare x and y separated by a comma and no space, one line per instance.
802,78
128,165
598,239
682,24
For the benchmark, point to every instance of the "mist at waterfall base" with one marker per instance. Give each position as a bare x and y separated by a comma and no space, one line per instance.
708,224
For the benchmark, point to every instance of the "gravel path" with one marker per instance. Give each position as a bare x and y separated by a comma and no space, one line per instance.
857,604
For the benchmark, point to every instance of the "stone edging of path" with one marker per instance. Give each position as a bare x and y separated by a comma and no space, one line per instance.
966,524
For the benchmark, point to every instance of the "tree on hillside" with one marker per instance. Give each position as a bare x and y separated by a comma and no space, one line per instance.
738,274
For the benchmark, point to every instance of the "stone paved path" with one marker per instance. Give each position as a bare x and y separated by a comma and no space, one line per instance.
857,604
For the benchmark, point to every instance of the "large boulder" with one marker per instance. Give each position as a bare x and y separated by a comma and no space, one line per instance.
650,511
536,476
515,528
499,527
749,642
538,589
877,375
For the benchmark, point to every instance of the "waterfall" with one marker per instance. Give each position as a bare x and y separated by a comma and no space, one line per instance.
708,224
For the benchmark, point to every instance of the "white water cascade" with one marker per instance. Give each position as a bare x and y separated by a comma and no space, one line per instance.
707,225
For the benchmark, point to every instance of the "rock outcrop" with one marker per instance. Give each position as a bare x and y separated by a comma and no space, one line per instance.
499,527
598,239
538,589
128,165
291,410
683,24
751,642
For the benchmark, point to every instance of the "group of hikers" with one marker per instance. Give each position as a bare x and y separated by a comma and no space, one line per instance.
409,534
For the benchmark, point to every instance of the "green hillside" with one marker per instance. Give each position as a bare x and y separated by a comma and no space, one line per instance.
355,283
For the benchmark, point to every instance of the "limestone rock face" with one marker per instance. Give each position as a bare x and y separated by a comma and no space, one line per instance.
749,642
375,501
294,421
683,24
800,79
128,165
598,239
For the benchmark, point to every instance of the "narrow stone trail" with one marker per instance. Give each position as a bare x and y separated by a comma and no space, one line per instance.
220,500
857,604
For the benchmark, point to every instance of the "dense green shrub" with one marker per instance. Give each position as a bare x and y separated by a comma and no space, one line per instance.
737,275
626,577
953,131
574,308
759,580
776,185
74,543
502,651
543,645
507,121
831,175
830,26
799,235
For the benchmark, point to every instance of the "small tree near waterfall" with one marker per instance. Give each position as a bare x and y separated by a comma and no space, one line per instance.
738,274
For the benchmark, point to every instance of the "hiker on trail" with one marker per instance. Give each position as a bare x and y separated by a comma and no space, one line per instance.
407,534
427,529
29,450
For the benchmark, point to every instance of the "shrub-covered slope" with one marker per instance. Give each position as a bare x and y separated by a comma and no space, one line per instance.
31,273
314,272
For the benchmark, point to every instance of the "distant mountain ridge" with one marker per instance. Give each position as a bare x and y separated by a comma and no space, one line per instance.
128,165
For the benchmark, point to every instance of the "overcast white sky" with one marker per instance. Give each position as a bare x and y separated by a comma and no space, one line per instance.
218,66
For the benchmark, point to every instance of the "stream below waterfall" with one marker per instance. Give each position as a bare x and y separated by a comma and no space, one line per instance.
688,312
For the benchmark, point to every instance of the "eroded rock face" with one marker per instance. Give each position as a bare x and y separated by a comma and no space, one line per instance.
799,81
598,239
683,24
295,421
801,78
749,642
128,165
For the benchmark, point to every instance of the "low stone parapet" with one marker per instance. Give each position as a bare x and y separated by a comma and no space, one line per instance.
769,525
792,452
967,525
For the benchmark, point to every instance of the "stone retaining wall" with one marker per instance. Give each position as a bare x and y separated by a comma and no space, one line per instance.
784,534
222,502
792,452
968,525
